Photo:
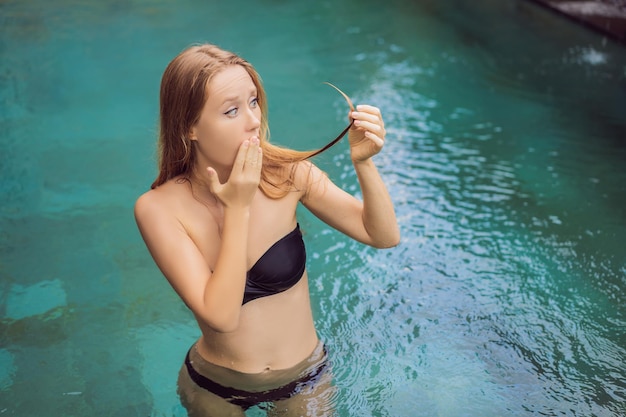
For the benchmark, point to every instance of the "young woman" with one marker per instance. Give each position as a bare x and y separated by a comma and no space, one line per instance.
220,223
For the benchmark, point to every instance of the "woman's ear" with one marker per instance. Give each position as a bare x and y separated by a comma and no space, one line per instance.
192,134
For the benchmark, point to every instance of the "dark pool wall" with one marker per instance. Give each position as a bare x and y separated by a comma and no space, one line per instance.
605,16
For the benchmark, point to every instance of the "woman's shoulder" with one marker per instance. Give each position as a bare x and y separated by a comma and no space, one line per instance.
162,199
306,174
303,170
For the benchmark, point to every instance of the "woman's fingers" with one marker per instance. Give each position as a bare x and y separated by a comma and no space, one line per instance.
251,171
214,182
366,110
248,157
373,127
369,119
244,177
367,137
254,156
379,141
240,159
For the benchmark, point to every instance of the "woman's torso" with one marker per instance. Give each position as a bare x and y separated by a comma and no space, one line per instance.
274,332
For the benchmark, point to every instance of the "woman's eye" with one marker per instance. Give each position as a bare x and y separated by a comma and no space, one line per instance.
254,102
231,112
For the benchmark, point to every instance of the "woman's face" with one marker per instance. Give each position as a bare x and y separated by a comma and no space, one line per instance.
230,115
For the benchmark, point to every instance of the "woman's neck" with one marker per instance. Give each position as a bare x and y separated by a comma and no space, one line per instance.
199,183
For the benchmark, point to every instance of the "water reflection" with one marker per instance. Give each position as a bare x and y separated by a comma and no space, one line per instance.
495,303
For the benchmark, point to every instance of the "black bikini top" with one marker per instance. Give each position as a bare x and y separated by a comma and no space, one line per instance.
278,269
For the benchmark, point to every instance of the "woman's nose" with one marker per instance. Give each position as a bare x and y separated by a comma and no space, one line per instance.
254,118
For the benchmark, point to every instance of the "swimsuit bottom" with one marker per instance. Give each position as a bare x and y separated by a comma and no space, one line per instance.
308,373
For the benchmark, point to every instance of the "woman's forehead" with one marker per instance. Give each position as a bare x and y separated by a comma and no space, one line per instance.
231,81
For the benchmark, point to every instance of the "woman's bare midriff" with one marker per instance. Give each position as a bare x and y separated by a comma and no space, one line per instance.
275,332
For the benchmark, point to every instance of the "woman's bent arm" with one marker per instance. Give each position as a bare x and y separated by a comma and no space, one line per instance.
372,221
378,214
215,297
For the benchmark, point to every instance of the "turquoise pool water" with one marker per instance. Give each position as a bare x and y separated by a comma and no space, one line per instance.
506,159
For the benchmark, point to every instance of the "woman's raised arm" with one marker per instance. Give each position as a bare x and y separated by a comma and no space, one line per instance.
373,220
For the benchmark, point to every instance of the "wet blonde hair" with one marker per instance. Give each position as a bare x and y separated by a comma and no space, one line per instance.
182,97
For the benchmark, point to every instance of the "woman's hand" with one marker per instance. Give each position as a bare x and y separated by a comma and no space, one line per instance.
239,189
367,134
